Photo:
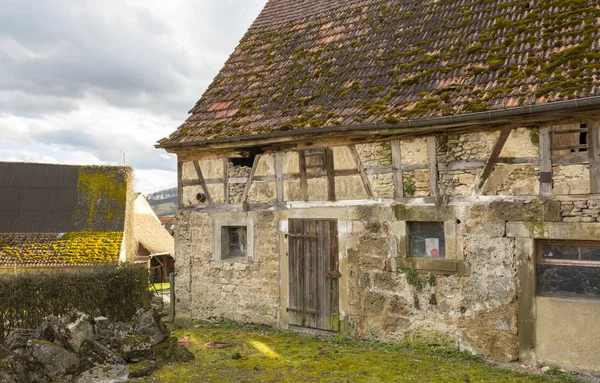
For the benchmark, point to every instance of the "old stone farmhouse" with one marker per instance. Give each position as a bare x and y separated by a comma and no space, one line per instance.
64,216
398,169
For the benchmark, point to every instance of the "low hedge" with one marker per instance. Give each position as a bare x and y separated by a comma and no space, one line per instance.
114,291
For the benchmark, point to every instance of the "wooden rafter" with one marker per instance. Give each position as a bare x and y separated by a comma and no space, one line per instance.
491,161
361,171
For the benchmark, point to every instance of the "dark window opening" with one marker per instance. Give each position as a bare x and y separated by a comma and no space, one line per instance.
233,242
426,240
247,162
583,137
568,269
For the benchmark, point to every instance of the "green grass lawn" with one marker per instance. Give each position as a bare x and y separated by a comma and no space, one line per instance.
260,354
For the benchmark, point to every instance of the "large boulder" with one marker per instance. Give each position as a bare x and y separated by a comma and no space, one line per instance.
148,323
69,331
93,353
105,374
58,362
15,368
110,333
17,340
135,347
79,327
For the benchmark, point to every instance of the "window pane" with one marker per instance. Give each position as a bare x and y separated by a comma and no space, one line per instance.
560,251
426,240
568,281
590,253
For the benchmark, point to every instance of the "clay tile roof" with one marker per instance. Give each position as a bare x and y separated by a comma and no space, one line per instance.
320,63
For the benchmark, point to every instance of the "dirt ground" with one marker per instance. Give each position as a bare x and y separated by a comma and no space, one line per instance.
260,354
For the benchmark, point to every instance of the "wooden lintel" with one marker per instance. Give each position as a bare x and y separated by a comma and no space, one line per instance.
330,174
201,181
244,199
545,162
225,180
180,184
491,161
361,171
594,155
571,159
397,169
279,176
433,165
303,179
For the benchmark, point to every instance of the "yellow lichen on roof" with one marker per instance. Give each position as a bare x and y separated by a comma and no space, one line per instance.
46,249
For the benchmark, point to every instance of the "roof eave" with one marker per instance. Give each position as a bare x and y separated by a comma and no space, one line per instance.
442,122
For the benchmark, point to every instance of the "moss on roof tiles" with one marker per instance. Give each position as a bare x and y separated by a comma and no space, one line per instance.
46,249
396,57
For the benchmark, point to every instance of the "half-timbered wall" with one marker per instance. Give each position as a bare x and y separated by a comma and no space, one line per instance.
477,185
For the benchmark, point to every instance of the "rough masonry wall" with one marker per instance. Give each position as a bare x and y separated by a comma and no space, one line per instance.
477,311
581,210
247,292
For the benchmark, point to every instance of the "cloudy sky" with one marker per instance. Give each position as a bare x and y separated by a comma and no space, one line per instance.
82,82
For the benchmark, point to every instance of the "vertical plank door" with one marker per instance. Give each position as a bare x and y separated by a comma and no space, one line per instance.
313,274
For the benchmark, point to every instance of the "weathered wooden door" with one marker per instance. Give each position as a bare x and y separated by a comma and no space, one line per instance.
313,274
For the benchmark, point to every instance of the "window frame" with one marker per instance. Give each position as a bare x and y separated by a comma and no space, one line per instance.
409,235
231,219
564,262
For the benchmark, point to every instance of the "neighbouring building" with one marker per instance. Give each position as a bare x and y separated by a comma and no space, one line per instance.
168,222
64,216
423,170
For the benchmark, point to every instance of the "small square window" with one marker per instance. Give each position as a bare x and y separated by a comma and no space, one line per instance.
233,242
426,240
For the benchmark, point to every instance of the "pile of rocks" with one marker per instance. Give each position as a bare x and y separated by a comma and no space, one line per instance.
81,349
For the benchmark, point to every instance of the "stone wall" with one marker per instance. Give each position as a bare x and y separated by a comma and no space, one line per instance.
581,211
247,292
476,312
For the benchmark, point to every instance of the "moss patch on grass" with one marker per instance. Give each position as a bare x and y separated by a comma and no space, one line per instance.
260,354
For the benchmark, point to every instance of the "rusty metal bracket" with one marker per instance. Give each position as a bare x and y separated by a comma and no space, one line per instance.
333,274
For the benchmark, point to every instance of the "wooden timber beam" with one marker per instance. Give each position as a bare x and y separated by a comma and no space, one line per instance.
303,178
433,166
361,171
180,184
225,180
545,162
491,161
201,181
279,176
594,155
397,169
244,199
330,174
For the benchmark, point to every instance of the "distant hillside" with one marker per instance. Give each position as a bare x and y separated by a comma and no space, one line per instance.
163,202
